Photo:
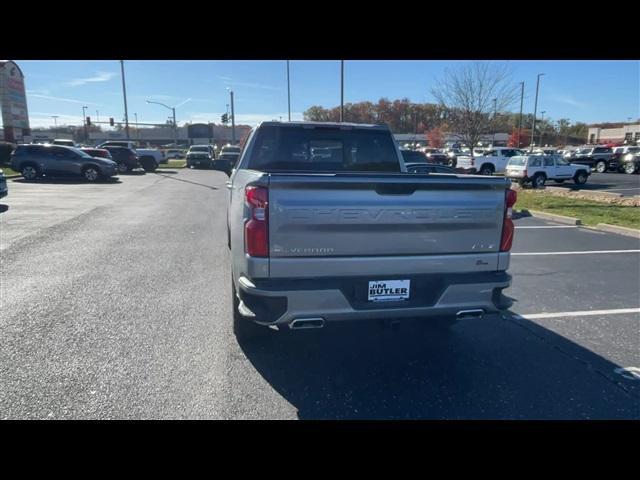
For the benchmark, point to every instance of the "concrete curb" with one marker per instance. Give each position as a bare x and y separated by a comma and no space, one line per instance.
555,218
629,232
17,175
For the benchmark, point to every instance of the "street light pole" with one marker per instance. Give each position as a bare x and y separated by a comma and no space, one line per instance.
520,118
124,93
175,125
84,123
137,129
288,91
535,111
341,90
542,126
233,121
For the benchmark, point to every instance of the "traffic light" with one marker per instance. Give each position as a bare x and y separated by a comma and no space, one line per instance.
111,121
225,118
88,121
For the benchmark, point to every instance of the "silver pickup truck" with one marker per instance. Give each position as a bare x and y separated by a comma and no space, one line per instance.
349,235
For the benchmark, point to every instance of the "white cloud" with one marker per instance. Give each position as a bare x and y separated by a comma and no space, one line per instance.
98,77
61,99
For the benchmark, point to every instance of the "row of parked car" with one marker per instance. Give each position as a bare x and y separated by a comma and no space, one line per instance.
534,168
92,163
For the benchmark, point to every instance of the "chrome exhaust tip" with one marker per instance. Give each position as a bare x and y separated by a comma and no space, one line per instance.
477,313
300,323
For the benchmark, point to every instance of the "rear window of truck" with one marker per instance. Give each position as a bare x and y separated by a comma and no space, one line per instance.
323,149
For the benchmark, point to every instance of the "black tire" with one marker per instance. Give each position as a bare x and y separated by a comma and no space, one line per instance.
580,177
538,180
486,169
243,328
601,166
630,168
122,168
559,181
149,164
91,173
30,172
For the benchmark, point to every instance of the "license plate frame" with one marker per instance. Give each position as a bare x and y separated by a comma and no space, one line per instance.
388,290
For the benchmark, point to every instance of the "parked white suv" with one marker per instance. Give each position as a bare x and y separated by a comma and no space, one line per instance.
537,169
493,160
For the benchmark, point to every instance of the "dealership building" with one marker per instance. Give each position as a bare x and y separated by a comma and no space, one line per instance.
629,134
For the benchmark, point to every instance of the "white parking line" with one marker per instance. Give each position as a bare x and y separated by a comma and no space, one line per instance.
588,252
585,313
548,226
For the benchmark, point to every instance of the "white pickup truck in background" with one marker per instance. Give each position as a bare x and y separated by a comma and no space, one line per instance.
493,160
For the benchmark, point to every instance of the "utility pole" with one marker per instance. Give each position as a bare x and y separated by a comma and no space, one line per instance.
288,91
341,91
124,93
535,111
520,118
84,123
542,126
233,121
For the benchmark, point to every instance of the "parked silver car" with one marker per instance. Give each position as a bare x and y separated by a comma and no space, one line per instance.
34,161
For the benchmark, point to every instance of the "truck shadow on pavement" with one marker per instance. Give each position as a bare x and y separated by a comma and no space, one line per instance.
492,368
68,181
157,172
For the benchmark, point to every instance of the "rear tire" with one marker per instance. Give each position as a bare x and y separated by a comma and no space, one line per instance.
630,168
243,328
91,174
601,166
486,170
149,164
122,168
580,178
538,180
30,172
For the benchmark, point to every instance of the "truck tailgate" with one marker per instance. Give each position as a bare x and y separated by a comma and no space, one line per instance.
360,215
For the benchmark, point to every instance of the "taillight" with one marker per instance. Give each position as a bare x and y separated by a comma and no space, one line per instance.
507,223
256,230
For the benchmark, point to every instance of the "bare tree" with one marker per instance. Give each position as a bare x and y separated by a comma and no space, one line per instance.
471,94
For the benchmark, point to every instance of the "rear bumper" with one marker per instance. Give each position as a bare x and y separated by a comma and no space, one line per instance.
279,302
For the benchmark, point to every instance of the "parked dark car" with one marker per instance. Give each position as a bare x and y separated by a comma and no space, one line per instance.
630,163
97,152
126,158
619,154
413,156
438,157
3,185
428,168
34,161
226,161
599,158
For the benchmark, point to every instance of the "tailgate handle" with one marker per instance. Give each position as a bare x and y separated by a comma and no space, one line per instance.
395,189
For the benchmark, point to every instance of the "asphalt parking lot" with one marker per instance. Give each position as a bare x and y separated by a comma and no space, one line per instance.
613,182
116,304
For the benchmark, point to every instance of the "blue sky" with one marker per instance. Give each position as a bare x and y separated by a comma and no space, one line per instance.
587,91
